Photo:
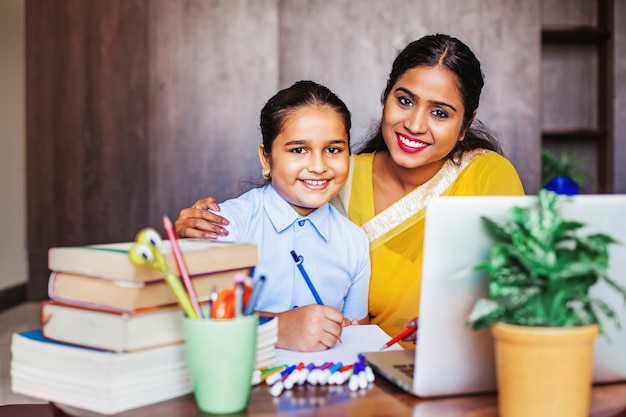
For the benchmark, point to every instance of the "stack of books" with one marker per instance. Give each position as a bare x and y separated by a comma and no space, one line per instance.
111,334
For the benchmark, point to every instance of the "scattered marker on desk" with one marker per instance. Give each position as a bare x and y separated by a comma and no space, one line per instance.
278,387
369,374
353,382
358,376
275,377
345,374
292,378
335,373
362,378
304,372
266,373
317,373
329,372
256,377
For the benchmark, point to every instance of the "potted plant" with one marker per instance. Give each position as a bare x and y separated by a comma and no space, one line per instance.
541,269
565,174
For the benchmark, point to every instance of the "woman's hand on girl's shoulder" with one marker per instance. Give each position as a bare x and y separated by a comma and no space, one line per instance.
198,222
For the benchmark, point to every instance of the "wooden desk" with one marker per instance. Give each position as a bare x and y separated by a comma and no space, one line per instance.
380,400
383,399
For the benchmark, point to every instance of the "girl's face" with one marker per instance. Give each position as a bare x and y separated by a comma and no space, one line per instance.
310,158
422,119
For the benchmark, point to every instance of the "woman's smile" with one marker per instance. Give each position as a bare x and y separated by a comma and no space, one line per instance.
410,145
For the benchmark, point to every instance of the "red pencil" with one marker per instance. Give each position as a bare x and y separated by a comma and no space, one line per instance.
182,267
399,337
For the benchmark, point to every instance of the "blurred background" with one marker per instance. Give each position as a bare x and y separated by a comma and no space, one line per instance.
114,113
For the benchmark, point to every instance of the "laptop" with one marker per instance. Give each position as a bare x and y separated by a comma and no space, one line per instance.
451,358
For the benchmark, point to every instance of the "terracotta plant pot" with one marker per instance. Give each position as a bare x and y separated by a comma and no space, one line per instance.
544,371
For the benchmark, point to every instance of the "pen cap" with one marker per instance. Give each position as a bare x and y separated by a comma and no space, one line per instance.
220,356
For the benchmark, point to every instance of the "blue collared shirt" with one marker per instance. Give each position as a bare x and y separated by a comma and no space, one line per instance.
335,252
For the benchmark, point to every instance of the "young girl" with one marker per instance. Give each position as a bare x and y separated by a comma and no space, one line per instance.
305,158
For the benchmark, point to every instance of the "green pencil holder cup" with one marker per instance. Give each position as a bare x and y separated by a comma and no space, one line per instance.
220,357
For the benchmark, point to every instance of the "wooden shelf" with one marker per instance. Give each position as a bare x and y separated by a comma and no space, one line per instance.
574,35
599,37
575,134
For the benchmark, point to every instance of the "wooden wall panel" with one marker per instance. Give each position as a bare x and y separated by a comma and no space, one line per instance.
86,161
504,34
212,68
619,103
351,50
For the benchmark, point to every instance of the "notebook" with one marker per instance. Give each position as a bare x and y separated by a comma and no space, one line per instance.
451,358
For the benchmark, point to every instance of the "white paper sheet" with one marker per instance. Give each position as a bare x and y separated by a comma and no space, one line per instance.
354,340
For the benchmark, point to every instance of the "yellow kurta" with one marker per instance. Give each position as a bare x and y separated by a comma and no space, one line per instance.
397,233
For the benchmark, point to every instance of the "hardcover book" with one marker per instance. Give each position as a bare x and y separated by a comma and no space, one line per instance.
134,330
110,261
114,295
112,330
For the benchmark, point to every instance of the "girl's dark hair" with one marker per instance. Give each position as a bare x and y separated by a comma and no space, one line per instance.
300,94
431,51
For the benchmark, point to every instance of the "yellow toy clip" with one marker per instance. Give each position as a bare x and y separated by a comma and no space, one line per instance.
145,252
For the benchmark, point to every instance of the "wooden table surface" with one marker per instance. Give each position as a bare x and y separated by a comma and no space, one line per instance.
381,400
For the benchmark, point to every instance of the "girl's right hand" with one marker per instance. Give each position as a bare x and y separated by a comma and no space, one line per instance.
198,222
309,328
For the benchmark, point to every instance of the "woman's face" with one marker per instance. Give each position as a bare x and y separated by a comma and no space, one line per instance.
310,158
422,118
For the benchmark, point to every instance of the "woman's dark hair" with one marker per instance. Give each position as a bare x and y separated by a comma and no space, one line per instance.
444,50
300,94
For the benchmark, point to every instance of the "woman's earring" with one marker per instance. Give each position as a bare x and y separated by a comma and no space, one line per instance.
266,175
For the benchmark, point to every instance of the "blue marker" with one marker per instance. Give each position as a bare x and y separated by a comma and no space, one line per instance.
254,296
298,260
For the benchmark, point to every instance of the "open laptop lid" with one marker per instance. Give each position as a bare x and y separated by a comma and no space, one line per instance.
451,358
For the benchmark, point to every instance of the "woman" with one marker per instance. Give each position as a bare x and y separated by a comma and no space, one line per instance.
425,146
428,144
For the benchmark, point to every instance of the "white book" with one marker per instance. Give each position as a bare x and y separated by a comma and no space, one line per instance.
96,380
99,401
108,382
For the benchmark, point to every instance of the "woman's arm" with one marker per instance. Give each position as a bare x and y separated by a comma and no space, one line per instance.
198,222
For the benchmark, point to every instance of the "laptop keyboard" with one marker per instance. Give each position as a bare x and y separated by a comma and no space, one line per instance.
407,369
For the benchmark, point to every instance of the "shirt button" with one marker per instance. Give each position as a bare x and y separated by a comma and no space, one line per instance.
301,222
